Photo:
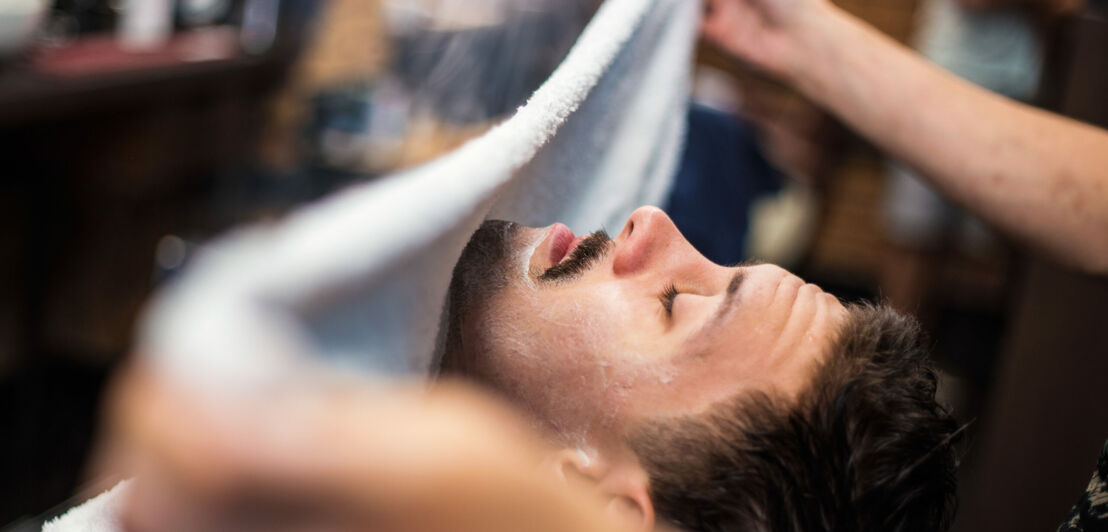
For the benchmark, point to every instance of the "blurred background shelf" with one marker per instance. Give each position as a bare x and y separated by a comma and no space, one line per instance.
76,81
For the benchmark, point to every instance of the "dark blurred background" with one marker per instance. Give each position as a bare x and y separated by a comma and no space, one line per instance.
130,136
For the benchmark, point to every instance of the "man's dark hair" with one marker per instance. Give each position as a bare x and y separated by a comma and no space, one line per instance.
865,447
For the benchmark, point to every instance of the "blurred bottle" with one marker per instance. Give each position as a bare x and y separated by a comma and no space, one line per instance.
145,24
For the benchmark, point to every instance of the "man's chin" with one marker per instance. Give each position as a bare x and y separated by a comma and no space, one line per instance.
486,260
483,270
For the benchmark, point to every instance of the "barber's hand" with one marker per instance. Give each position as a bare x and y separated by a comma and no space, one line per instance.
767,34
346,457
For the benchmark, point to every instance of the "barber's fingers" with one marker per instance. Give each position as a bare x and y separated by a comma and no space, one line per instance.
311,436
743,29
157,504
206,442
381,460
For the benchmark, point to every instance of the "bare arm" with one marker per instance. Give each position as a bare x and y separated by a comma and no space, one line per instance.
1039,177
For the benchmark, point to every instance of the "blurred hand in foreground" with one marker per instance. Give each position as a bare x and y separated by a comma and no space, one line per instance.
345,457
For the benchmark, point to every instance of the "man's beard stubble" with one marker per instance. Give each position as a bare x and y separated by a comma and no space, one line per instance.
485,268
481,271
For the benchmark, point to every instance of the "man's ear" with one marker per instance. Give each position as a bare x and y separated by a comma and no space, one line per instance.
623,485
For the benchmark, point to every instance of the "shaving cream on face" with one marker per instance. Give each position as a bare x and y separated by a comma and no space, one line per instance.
525,263
586,460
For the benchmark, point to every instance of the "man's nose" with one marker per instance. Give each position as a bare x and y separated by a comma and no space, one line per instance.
651,241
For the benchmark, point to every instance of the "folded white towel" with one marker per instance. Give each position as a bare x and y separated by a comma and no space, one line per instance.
359,279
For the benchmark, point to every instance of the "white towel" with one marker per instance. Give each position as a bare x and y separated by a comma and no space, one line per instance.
359,280
96,515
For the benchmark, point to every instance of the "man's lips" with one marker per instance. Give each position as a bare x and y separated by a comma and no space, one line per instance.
562,243
562,240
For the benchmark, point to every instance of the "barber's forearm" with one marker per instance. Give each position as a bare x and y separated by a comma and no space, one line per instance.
1039,177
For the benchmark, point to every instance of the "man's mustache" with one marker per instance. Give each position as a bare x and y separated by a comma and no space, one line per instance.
589,251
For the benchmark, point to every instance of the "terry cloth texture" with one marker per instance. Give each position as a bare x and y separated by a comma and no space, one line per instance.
96,515
358,280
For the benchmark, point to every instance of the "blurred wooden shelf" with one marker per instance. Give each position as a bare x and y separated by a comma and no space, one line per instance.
96,74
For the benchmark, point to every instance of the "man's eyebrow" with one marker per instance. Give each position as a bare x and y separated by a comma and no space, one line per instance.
730,299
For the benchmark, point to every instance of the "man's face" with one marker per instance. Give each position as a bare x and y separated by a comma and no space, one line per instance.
591,333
